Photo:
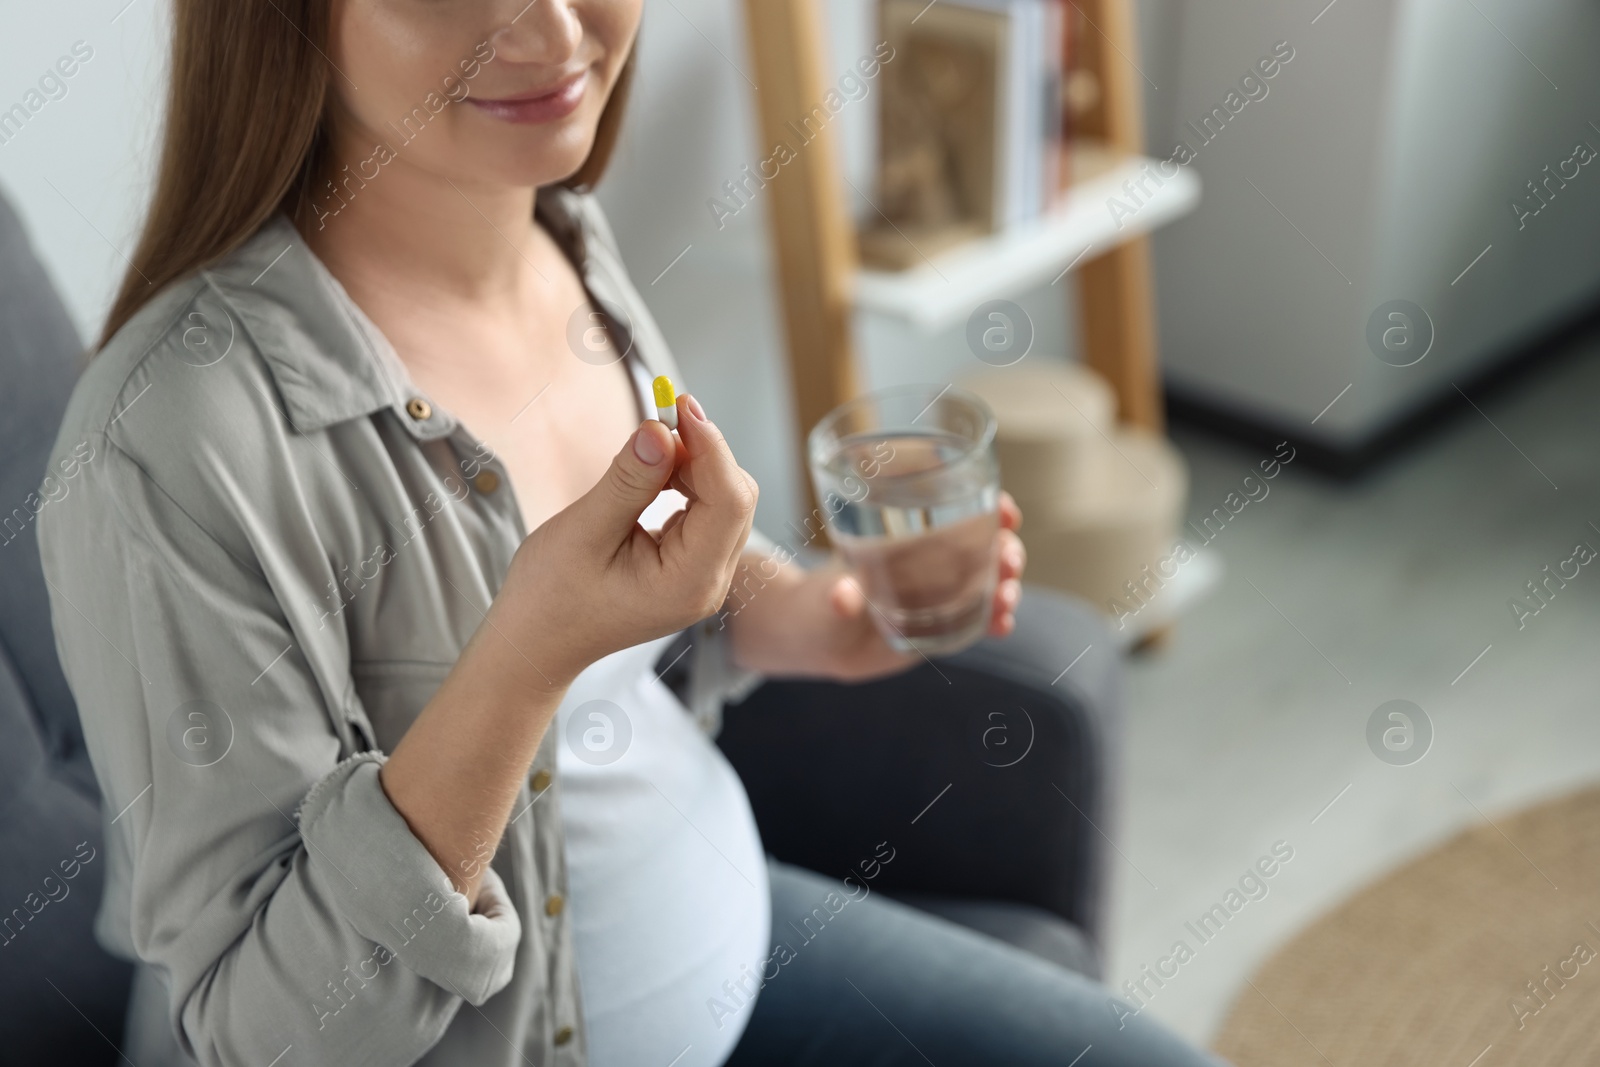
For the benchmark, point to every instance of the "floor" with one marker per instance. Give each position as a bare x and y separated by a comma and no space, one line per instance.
1250,727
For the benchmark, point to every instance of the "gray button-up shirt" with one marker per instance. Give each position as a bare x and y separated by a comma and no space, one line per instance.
265,551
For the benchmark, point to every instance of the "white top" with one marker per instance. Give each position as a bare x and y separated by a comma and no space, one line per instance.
666,881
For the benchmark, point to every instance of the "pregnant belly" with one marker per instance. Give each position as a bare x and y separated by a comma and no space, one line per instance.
666,879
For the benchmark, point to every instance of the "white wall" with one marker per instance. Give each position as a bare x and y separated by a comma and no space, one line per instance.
1472,122
78,172
1394,142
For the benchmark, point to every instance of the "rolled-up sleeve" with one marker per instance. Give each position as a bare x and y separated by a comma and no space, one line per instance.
268,878
470,952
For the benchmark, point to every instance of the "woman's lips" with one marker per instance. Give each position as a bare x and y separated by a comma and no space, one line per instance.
558,103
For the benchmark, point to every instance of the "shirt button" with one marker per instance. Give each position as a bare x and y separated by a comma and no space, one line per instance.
553,904
419,409
486,481
563,1035
540,781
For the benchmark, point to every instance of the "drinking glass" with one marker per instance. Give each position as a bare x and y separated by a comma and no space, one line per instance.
910,487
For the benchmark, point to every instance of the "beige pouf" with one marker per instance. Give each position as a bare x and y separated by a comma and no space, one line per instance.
1054,419
1099,544
1102,502
1469,951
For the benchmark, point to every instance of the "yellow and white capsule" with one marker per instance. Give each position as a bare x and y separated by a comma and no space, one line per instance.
666,402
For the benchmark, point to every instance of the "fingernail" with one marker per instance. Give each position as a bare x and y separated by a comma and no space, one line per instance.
647,448
694,407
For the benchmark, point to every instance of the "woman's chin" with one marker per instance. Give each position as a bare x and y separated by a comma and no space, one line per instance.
531,162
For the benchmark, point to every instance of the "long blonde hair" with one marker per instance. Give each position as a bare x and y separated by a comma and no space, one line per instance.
246,136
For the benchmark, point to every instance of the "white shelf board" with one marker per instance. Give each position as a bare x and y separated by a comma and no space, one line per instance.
935,295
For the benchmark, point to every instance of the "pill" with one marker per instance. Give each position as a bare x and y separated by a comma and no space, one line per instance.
666,402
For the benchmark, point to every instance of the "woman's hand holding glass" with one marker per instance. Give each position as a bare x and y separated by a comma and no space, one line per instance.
819,623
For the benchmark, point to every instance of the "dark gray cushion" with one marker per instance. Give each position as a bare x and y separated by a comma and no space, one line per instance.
40,356
56,984
63,997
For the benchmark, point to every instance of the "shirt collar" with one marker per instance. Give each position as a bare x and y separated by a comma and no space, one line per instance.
329,361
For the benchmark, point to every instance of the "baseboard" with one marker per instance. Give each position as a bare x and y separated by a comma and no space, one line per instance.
1350,462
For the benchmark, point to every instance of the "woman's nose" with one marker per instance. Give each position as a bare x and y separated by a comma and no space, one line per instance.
546,32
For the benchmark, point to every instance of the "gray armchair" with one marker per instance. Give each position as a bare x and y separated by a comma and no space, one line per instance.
58,986
988,773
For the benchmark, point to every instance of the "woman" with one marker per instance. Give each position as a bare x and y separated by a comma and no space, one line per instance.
364,735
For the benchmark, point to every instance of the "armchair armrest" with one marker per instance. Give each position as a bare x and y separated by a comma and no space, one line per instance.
990,773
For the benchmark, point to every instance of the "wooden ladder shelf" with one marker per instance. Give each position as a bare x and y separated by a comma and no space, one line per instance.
815,238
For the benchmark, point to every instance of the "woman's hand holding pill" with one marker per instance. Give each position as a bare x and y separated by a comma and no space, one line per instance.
591,581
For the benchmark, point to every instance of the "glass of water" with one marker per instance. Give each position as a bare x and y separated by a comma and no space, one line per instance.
908,481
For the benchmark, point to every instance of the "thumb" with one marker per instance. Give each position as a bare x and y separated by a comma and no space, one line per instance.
637,475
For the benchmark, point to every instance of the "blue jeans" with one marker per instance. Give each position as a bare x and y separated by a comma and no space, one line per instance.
886,985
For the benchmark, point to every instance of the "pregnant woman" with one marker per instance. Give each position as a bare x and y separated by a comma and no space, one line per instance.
365,630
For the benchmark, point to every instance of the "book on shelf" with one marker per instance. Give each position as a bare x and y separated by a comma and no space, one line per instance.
970,123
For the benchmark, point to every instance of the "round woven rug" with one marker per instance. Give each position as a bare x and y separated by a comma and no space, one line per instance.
1484,952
